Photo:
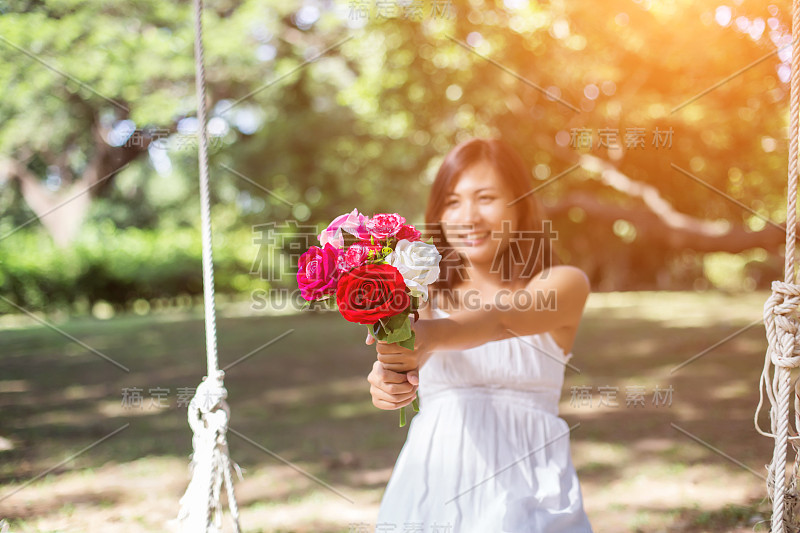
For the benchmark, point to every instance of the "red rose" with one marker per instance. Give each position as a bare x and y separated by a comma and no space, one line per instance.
408,232
371,292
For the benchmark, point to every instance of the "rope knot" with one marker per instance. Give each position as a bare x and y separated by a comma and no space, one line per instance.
211,393
208,411
208,414
782,324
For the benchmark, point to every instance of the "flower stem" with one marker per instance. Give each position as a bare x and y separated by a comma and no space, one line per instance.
414,404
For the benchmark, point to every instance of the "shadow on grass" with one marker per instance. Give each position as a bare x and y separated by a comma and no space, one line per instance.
306,398
64,503
739,518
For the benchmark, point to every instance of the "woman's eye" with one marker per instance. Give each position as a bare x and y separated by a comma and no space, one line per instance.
451,203
486,198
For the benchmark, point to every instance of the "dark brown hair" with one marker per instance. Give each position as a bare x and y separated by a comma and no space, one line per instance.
515,261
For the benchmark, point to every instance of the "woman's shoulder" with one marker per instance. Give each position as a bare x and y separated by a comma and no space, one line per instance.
562,276
567,284
570,287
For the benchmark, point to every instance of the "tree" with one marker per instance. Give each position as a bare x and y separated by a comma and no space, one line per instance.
319,109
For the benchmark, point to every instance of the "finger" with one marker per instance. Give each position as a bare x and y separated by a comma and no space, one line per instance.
393,358
391,348
413,377
391,401
380,393
381,404
400,368
396,389
387,375
370,339
398,363
398,386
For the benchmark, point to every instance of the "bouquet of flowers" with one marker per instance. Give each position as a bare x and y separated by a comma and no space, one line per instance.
376,269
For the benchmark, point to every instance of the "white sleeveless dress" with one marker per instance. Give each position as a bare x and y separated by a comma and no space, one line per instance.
487,451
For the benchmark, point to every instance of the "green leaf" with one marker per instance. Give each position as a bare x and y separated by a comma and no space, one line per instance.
398,328
370,331
379,332
394,329
409,342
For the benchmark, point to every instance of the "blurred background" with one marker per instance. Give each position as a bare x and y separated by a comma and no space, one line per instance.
656,134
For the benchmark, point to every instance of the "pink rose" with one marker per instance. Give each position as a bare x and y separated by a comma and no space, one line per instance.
357,255
409,233
353,223
384,225
317,272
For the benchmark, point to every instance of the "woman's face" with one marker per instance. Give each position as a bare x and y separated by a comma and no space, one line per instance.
474,213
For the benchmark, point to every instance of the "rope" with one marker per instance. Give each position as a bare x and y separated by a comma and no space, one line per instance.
205,203
781,324
208,413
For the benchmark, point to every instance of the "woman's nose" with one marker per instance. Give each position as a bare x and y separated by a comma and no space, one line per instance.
470,214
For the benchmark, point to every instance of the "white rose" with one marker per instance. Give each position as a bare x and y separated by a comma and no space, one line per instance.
418,262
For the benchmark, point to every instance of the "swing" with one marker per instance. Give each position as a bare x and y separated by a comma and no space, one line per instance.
200,507
208,412
783,335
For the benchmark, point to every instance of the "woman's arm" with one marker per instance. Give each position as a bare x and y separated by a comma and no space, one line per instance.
552,299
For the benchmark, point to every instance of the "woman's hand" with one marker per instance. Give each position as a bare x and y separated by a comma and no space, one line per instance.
390,390
402,360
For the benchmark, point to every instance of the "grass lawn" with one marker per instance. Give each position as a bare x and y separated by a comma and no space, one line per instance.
643,466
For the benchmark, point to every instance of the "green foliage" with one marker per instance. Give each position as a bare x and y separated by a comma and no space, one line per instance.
118,266
372,117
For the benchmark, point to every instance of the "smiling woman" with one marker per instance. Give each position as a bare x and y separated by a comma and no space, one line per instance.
484,185
487,451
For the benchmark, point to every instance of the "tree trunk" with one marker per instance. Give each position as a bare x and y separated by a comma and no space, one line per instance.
63,212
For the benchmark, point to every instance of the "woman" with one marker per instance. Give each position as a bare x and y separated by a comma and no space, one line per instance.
487,452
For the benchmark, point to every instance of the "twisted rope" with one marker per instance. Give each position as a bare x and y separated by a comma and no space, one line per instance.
792,502
201,509
781,323
783,352
205,203
208,413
